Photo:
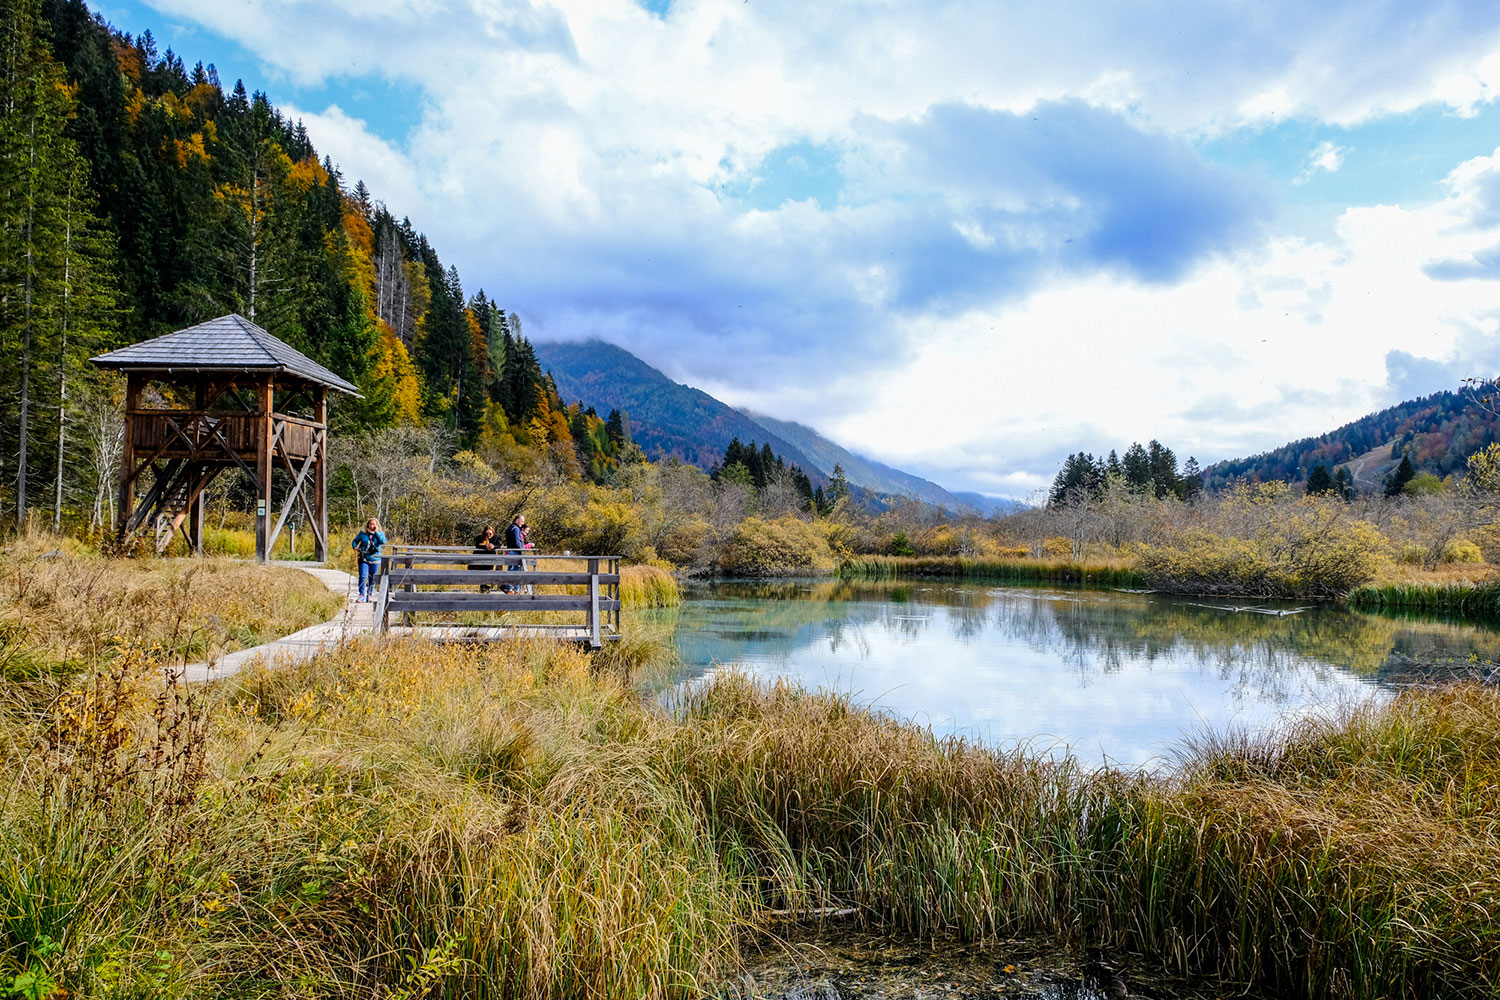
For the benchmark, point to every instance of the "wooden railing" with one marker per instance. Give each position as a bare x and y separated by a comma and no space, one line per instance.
240,431
430,579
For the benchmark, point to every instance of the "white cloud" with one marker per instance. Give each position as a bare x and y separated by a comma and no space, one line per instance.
1327,156
1073,277
1276,343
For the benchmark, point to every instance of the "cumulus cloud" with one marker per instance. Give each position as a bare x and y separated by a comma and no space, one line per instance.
961,238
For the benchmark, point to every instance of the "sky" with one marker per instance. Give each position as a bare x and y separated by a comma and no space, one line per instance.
965,237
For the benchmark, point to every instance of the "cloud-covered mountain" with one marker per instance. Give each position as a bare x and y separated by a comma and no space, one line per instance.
668,418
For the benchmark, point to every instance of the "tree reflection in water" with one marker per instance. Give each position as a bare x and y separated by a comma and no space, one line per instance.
1116,675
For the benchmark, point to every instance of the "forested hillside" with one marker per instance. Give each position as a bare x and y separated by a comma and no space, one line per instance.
140,196
1437,432
668,419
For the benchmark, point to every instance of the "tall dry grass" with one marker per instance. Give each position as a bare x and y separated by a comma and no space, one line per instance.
61,609
396,818
1098,573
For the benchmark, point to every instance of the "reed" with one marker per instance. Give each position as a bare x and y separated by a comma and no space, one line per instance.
399,818
1476,600
1117,573
646,586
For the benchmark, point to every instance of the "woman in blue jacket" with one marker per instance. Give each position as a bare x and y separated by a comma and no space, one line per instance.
368,544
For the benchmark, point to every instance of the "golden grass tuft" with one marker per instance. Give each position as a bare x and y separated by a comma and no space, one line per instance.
644,586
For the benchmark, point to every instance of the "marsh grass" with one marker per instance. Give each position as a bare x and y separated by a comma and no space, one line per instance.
645,586
61,610
397,818
1098,573
1469,600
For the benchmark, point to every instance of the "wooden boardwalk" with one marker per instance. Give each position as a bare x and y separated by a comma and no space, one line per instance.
423,580
356,619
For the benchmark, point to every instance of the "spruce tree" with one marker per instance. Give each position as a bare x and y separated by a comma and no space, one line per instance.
1397,480
1319,481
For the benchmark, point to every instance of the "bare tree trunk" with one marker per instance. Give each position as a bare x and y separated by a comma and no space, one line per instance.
62,359
254,229
28,232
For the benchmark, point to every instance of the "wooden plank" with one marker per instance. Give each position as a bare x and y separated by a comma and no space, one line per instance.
594,603
383,606
465,554
438,601
495,633
494,578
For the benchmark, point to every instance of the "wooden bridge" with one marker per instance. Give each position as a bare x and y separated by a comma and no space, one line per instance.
417,580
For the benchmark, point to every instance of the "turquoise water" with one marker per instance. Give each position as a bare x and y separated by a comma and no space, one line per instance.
1109,676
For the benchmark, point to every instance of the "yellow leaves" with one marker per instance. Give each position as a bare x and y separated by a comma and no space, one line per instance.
201,100
307,174
1484,470
134,105
392,366
191,149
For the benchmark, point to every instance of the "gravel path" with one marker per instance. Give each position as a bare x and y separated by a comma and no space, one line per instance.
353,620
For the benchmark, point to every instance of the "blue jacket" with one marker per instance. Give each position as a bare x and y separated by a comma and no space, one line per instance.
515,536
368,545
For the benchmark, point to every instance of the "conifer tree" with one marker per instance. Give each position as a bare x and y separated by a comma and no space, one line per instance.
1319,481
1398,479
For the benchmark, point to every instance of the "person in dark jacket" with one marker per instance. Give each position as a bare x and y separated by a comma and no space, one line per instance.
484,544
515,542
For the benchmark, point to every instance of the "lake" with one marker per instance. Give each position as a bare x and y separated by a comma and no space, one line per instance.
1110,676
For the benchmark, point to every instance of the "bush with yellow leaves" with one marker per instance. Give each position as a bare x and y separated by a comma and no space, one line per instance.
1306,548
783,547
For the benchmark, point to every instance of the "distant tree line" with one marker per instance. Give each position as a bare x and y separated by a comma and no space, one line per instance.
761,468
1144,470
1437,432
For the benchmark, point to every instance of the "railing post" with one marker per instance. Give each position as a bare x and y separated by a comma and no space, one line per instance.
409,618
593,622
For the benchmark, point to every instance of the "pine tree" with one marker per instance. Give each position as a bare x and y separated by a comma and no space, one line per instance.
37,173
1398,479
1192,480
1137,468
1319,481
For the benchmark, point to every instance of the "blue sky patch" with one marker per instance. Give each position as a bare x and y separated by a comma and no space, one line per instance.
1393,160
391,109
795,172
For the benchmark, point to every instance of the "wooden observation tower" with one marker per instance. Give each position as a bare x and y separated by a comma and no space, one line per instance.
218,396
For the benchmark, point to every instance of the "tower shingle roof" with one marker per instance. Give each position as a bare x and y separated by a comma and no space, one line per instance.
229,343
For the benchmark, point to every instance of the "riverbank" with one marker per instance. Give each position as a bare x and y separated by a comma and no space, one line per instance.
1461,592
1111,573
393,816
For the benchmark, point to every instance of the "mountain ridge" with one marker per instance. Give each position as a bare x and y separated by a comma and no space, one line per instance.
668,418
1438,432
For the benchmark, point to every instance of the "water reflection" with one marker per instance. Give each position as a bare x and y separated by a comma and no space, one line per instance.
1113,675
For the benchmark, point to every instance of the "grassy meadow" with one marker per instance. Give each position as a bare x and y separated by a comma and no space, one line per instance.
64,607
397,819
